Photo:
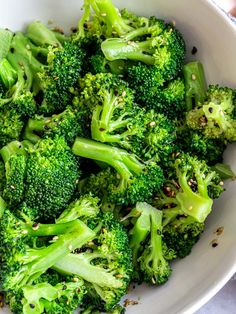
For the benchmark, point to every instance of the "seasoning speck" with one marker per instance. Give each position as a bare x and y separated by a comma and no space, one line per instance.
214,243
210,109
194,50
219,231
128,302
32,306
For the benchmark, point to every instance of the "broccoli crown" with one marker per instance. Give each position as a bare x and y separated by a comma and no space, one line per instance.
191,192
152,92
51,179
65,124
181,234
214,117
145,44
59,78
147,245
197,144
130,180
104,264
62,298
11,126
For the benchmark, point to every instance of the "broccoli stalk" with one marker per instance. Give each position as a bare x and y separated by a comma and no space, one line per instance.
148,255
21,264
195,84
8,75
137,180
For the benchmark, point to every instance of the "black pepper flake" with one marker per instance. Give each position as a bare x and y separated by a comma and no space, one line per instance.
102,129
32,305
214,244
194,50
210,109
64,287
116,93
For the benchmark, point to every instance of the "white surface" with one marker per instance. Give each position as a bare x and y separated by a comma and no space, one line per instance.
199,276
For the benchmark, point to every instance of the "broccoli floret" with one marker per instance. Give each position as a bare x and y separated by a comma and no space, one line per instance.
130,180
22,261
195,84
181,234
117,120
14,156
104,264
66,124
145,44
146,242
197,144
215,116
62,298
190,191
152,92
51,179
44,178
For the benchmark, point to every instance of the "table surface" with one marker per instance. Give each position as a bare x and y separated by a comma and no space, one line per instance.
224,302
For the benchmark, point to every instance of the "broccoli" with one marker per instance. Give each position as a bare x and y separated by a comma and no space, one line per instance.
65,124
43,176
104,264
195,84
215,116
2,177
129,180
151,91
117,120
146,242
62,298
22,261
181,234
197,144
145,44
190,191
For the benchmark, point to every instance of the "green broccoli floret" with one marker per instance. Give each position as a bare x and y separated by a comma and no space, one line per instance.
153,93
117,120
190,191
66,124
197,144
51,179
22,261
14,156
215,116
181,235
146,242
104,264
130,180
195,84
158,44
44,178
62,298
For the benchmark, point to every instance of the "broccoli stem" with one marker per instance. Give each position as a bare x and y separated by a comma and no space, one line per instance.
123,162
34,126
117,48
41,35
7,73
14,147
42,259
107,12
37,230
5,40
80,264
195,84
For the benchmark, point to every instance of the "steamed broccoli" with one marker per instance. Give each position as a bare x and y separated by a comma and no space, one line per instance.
44,178
65,124
215,116
146,242
104,264
129,179
191,190
22,261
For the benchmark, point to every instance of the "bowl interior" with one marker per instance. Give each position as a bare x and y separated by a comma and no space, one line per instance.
200,275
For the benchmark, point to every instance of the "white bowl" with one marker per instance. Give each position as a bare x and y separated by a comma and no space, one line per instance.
199,276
